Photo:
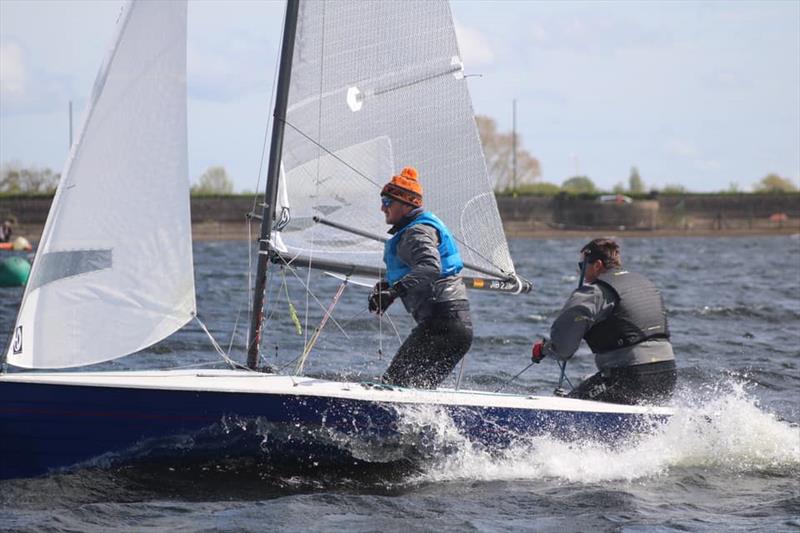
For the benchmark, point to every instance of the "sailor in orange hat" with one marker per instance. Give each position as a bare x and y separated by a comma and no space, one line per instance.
422,268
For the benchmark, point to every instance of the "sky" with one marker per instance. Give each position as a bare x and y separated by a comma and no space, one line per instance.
705,95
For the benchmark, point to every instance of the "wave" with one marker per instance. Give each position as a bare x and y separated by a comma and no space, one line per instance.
717,428
729,432
740,311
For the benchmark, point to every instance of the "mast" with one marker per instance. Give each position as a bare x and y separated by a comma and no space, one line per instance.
273,175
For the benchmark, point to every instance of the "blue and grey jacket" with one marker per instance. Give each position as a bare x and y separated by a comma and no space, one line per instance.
422,263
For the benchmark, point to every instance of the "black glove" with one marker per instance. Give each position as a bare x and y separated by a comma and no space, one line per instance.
381,297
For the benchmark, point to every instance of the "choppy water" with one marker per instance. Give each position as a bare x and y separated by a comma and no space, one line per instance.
730,459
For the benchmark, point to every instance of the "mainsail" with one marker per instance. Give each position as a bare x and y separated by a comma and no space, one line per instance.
376,86
113,273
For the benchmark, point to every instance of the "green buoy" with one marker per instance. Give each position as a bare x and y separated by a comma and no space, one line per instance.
14,271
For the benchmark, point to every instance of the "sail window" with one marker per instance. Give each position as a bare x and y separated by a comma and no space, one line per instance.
54,266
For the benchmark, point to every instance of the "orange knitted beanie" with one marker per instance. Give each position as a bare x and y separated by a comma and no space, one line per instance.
405,187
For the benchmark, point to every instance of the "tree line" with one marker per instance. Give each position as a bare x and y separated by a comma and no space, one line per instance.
498,148
18,179
512,171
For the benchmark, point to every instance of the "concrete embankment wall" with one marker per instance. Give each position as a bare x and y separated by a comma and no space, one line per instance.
689,213
223,217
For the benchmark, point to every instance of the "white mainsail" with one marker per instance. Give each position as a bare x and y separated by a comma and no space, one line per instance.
113,273
376,86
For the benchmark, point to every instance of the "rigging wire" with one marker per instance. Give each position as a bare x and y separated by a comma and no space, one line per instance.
235,327
318,143
380,336
391,323
267,128
233,364
269,114
249,244
563,377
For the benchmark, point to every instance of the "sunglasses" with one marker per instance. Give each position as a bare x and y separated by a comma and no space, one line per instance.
583,264
386,202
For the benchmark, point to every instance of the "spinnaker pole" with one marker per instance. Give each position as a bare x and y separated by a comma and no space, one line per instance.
273,175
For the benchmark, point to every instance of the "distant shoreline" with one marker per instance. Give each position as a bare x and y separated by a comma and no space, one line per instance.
532,217
657,233
227,231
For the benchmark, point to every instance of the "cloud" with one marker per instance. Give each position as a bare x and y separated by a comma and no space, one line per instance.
680,148
709,164
474,46
597,34
24,89
13,74
538,33
688,152
228,68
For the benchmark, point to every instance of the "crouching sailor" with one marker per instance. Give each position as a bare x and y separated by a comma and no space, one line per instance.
621,316
422,266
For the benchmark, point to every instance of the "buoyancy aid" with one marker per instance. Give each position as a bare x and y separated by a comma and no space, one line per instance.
638,314
448,251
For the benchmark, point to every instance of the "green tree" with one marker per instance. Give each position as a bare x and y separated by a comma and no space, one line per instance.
635,183
673,188
15,179
775,183
542,189
213,181
579,185
498,149
619,188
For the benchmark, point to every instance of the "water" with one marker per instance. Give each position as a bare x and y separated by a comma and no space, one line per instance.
730,459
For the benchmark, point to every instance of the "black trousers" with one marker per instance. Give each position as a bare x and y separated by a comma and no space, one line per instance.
648,383
431,351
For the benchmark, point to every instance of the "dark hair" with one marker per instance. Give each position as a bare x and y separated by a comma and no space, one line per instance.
606,250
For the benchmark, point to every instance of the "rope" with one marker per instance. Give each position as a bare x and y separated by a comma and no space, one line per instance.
292,310
318,331
233,364
504,385
309,292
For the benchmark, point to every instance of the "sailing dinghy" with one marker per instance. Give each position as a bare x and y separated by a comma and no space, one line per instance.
364,88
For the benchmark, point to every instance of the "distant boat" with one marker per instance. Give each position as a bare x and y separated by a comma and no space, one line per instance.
14,271
364,88
19,244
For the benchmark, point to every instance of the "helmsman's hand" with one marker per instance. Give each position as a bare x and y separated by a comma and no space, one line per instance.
381,297
537,352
